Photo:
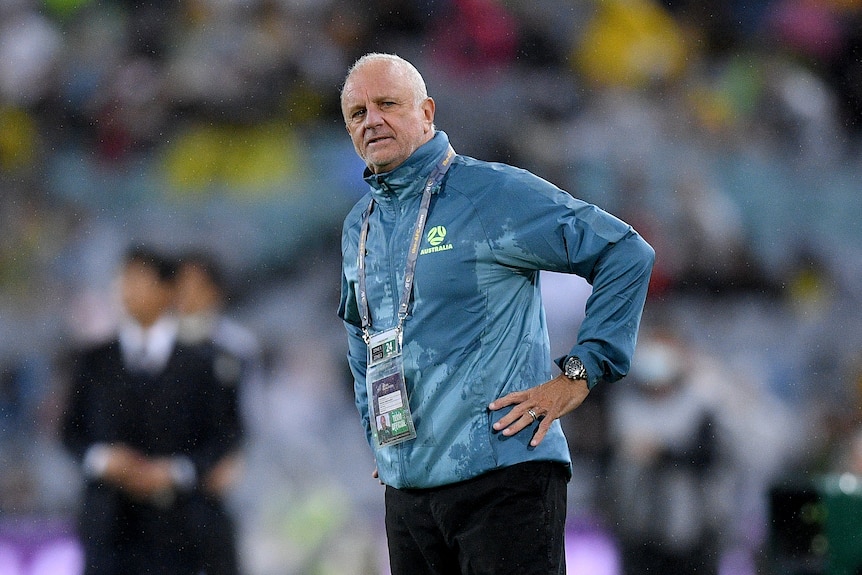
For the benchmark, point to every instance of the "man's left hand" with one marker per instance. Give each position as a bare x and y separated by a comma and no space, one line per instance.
549,401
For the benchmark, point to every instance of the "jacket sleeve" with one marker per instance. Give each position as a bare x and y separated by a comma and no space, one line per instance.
74,428
356,349
557,232
357,358
220,388
92,413
607,337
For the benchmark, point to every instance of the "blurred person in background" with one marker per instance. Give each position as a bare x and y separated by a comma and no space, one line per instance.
201,301
476,462
665,464
201,298
148,417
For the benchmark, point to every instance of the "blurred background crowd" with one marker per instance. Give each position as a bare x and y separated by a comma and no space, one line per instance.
728,132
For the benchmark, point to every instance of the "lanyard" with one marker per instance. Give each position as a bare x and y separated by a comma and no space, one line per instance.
418,229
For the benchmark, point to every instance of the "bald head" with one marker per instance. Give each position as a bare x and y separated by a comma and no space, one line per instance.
407,72
386,109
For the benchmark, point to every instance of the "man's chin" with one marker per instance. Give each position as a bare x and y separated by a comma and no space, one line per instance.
379,163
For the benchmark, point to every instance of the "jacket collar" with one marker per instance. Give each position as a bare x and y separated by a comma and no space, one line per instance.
409,178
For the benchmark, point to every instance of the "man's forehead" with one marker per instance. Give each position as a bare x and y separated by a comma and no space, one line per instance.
373,94
373,81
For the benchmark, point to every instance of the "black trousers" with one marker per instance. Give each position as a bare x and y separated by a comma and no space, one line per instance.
124,537
508,521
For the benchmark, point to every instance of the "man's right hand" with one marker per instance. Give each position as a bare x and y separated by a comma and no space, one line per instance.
136,474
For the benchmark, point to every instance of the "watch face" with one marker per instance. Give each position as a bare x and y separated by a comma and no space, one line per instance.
575,369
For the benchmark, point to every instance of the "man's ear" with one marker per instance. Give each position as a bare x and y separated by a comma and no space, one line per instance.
428,107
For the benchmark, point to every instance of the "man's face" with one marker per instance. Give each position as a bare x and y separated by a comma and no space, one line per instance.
384,120
195,292
145,298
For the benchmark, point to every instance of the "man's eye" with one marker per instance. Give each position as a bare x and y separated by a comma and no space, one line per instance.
358,114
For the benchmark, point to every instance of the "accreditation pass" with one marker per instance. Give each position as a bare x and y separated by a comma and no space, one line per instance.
389,410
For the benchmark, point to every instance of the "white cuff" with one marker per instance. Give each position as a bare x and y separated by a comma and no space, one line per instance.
96,460
183,472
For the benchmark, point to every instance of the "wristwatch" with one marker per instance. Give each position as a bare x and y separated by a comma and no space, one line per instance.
574,369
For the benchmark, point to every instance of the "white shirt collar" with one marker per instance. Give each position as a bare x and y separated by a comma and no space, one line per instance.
148,348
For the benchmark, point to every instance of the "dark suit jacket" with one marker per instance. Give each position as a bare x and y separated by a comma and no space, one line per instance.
188,409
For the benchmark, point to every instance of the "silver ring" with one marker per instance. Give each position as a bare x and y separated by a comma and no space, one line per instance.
533,415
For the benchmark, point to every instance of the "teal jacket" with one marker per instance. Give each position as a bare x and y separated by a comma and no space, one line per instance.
476,328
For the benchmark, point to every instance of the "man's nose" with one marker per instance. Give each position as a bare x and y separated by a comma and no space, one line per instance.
373,117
